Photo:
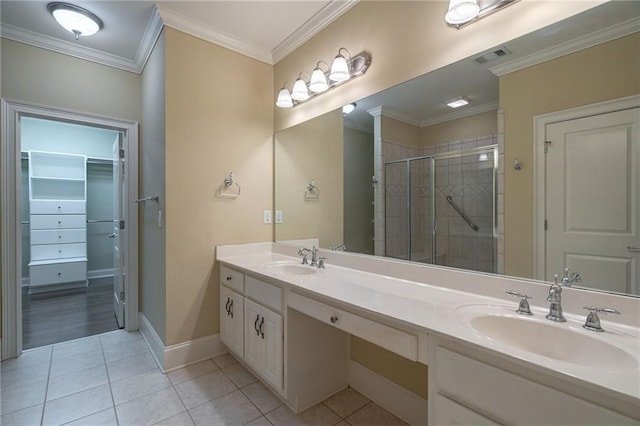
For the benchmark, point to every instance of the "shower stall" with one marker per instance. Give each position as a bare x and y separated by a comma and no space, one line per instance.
441,209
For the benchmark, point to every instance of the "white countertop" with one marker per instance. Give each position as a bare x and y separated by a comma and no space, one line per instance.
445,311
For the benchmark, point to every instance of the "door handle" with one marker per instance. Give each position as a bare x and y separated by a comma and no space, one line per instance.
231,308
634,249
226,306
255,325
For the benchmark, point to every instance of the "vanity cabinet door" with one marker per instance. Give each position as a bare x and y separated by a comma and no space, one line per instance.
263,342
231,320
448,412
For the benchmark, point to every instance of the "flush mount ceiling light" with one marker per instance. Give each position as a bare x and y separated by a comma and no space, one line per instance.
341,71
463,12
348,108
458,102
75,19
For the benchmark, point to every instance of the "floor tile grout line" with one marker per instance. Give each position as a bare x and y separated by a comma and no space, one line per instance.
113,401
180,398
46,387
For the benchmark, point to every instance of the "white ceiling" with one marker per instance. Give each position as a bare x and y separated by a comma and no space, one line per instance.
265,30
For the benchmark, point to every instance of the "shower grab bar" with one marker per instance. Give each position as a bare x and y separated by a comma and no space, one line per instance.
461,213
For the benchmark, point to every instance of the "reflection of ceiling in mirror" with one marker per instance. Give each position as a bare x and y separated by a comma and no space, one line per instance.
421,101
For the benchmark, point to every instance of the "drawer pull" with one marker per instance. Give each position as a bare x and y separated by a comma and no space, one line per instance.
334,319
262,327
59,274
228,277
59,207
255,325
59,237
59,222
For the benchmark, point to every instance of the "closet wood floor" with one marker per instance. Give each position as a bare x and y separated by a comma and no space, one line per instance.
58,316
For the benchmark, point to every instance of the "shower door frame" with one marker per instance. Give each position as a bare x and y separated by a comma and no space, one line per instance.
493,148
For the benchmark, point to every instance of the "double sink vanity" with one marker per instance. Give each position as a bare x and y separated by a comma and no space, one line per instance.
290,324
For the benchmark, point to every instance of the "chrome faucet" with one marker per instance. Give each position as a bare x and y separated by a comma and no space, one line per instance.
568,280
302,253
555,297
335,247
314,256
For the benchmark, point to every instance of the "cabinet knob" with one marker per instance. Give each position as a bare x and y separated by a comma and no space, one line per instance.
228,277
59,207
59,274
59,236
59,222
334,319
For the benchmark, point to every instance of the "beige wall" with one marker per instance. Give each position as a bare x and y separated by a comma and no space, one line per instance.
311,150
473,126
152,181
405,40
604,72
399,132
44,77
219,119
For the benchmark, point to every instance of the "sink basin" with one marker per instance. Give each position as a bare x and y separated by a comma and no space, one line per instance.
291,268
555,341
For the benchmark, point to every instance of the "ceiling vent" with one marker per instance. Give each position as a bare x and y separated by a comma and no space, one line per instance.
492,55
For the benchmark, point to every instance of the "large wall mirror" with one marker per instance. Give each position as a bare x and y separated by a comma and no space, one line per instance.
476,187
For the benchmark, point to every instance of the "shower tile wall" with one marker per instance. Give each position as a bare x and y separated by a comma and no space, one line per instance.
468,181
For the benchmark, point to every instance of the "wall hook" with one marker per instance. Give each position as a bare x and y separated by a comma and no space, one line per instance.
224,190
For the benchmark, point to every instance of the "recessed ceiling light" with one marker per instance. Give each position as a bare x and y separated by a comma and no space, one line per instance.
458,102
75,19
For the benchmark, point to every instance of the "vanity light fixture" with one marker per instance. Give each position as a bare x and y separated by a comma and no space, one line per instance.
463,12
341,71
300,91
75,19
348,108
458,102
318,82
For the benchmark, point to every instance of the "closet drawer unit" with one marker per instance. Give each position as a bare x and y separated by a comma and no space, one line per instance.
58,251
57,207
58,221
392,339
56,273
58,236
232,279
264,293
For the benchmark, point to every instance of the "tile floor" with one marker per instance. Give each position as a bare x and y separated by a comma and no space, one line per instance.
112,379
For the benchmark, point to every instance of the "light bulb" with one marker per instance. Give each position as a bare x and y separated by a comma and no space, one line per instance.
284,98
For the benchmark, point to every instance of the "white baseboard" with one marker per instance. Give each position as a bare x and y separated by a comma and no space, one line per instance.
394,398
182,354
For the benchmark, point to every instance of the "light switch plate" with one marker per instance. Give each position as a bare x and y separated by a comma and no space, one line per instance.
278,216
267,216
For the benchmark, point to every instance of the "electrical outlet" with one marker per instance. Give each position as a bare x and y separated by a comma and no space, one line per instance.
278,216
267,216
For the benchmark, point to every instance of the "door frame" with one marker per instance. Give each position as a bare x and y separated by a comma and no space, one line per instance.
10,230
539,166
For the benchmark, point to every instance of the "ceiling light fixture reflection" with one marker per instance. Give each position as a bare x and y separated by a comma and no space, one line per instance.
348,108
75,19
458,102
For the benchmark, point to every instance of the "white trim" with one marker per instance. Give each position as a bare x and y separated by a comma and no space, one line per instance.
613,32
539,136
182,354
10,264
465,112
100,273
154,26
313,26
185,24
394,398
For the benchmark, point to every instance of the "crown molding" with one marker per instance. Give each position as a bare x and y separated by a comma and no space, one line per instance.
611,33
357,126
32,38
313,26
375,112
466,112
185,24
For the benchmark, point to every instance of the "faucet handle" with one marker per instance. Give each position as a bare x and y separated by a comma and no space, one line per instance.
592,322
523,307
321,262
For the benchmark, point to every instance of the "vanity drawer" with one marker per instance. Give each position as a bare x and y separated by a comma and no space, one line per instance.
58,221
266,294
57,273
58,236
513,399
232,279
392,339
57,207
58,251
